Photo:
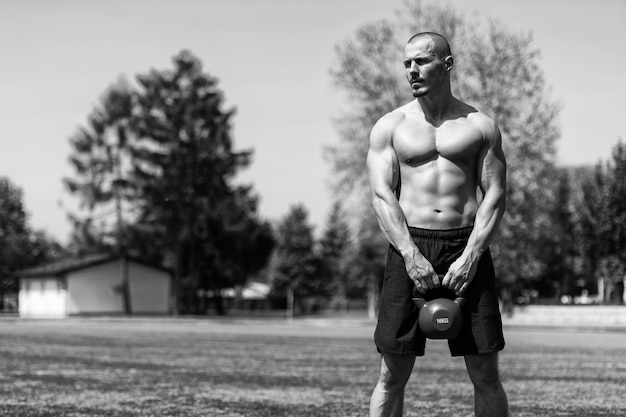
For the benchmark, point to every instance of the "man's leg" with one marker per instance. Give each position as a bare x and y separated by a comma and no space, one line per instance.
388,397
489,397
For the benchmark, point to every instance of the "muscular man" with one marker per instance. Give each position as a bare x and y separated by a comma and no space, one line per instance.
437,175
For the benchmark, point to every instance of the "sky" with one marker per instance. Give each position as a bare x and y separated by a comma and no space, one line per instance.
272,60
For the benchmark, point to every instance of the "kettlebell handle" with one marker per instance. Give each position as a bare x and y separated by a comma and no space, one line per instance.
420,301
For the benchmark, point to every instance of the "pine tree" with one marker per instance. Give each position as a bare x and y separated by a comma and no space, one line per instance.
335,257
295,269
101,160
158,159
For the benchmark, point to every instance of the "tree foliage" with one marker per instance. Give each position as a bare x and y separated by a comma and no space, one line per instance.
600,220
504,77
184,167
497,71
20,246
617,199
162,150
101,158
335,252
295,267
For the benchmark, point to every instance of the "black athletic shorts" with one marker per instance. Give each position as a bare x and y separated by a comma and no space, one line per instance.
398,331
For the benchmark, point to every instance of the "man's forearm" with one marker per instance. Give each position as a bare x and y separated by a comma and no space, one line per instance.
393,224
486,224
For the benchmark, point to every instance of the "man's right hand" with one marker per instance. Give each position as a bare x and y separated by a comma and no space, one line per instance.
421,272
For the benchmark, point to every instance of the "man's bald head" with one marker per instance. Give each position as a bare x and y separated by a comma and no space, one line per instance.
439,45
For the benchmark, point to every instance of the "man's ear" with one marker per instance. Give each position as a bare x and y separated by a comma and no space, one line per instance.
449,62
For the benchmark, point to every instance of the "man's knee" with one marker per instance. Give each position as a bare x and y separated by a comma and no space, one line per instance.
395,371
483,370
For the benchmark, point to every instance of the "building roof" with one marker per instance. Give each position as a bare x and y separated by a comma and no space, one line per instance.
63,266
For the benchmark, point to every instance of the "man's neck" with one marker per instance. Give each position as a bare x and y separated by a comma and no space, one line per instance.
436,105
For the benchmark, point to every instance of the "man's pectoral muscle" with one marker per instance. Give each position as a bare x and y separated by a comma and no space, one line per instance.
438,172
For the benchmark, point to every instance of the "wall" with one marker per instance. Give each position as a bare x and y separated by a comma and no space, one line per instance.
42,297
95,289
149,289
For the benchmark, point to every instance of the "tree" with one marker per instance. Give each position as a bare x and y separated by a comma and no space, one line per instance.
497,71
510,86
601,222
14,234
617,199
239,246
295,270
159,157
369,262
334,252
563,251
20,246
184,168
101,160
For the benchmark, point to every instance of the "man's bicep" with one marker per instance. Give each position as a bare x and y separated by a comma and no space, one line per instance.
492,162
381,161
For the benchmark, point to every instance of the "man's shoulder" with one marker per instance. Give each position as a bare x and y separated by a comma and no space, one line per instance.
481,121
390,120
487,126
400,113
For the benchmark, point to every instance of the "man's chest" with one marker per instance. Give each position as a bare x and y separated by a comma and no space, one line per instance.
417,142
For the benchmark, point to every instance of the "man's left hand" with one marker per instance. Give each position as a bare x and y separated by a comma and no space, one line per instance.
460,275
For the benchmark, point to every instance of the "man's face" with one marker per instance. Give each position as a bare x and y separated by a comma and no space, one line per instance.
424,70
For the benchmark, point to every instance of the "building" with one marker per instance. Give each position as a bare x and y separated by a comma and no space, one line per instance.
94,285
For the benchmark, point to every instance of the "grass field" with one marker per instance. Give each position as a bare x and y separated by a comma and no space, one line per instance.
210,367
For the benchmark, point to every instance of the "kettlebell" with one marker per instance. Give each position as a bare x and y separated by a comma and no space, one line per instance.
440,318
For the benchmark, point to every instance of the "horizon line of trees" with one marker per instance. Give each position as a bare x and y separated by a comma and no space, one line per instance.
306,273
154,169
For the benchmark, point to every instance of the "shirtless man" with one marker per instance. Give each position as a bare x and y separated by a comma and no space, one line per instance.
438,177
